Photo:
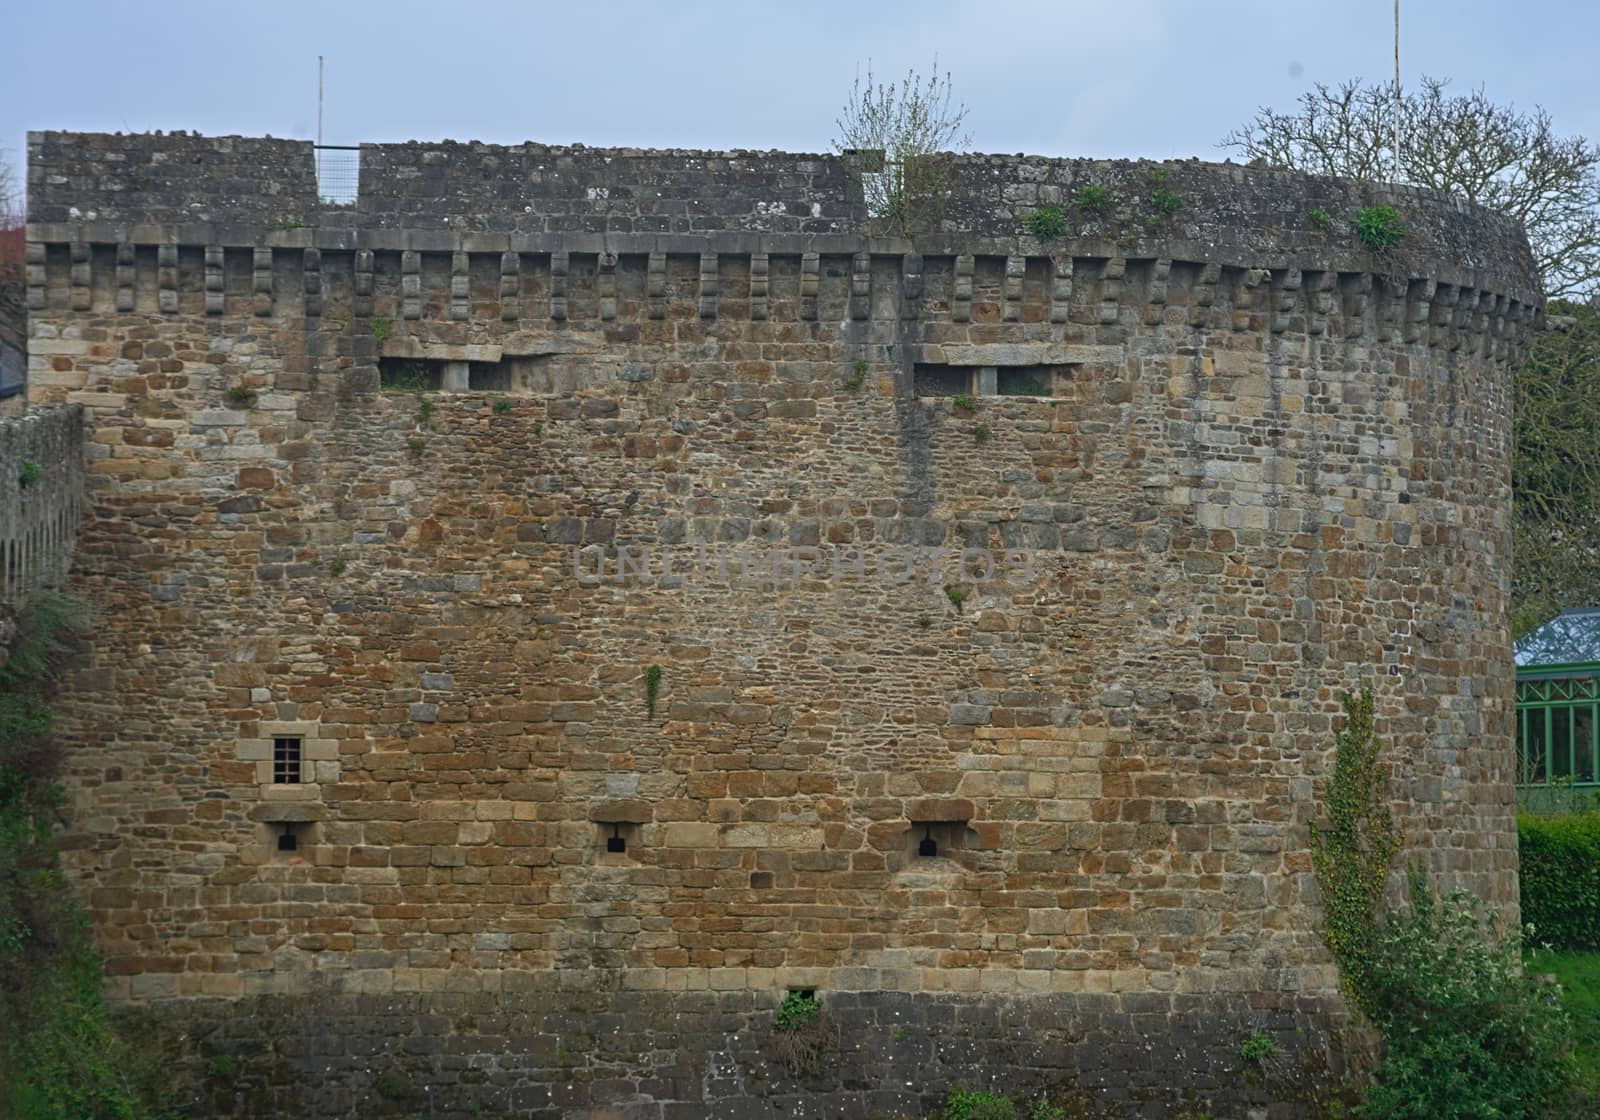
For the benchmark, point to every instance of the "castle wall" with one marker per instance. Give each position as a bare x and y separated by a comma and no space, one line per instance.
1267,467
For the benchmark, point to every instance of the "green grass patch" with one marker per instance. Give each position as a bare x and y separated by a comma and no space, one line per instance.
1579,977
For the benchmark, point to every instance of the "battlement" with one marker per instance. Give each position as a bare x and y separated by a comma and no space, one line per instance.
236,191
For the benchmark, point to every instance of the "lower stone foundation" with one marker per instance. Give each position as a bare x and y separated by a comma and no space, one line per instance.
676,1056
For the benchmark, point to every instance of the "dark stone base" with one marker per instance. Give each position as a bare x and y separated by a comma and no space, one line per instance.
684,1056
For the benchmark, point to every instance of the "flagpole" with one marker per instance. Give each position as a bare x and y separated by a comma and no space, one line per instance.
1397,90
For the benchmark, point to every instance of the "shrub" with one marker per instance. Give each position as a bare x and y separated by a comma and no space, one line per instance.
1047,223
796,1011
978,1105
1379,227
966,402
1092,197
1561,878
29,473
1467,1034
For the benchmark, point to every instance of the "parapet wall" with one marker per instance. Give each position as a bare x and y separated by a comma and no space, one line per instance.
670,527
193,189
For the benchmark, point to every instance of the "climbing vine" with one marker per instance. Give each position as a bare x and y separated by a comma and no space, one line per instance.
1351,856
652,688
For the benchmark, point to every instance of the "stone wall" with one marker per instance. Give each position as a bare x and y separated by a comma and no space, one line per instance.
1256,472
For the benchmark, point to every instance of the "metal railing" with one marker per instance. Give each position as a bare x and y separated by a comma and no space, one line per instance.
338,173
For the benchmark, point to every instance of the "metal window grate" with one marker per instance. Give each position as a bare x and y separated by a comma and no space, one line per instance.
286,762
338,174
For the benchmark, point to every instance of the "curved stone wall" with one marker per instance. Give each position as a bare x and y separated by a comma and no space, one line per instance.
1089,640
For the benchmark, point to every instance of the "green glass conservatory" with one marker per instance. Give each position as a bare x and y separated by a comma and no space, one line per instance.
1558,692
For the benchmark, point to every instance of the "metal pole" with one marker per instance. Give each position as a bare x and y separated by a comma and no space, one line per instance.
319,111
1397,90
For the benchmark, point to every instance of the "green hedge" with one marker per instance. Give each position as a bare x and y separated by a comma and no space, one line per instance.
1561,878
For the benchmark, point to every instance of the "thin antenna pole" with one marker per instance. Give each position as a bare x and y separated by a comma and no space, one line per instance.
319,112
1397,90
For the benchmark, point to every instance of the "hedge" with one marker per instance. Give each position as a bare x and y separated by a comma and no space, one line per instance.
1561,878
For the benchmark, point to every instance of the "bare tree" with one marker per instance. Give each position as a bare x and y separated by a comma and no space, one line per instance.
10,196
1555,469
913,123
1465,144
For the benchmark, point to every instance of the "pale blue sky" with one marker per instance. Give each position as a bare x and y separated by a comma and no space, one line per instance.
1156,78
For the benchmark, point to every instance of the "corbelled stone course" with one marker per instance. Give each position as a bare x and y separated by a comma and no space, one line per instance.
683,430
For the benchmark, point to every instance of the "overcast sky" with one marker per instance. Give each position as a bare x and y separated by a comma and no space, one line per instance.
1155,78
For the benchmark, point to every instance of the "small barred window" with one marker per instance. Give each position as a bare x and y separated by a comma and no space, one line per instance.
286,761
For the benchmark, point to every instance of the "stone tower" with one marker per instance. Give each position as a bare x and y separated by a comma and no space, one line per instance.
567,599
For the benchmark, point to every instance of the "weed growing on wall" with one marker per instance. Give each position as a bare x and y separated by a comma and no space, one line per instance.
1092,198
979,1104
240,396
1047,223
29,473
1379,227
1163,198
802,1036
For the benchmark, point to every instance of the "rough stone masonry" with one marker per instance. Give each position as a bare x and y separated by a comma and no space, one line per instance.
561,603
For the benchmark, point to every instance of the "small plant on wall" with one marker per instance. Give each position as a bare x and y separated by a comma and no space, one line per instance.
802,1036
652,689
29,473
1163,198
1091,198
1047,223
240,396
1379,227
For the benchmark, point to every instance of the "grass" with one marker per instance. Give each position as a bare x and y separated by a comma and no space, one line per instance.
1579,976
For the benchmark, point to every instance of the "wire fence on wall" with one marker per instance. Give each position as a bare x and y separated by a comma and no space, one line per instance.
338,173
